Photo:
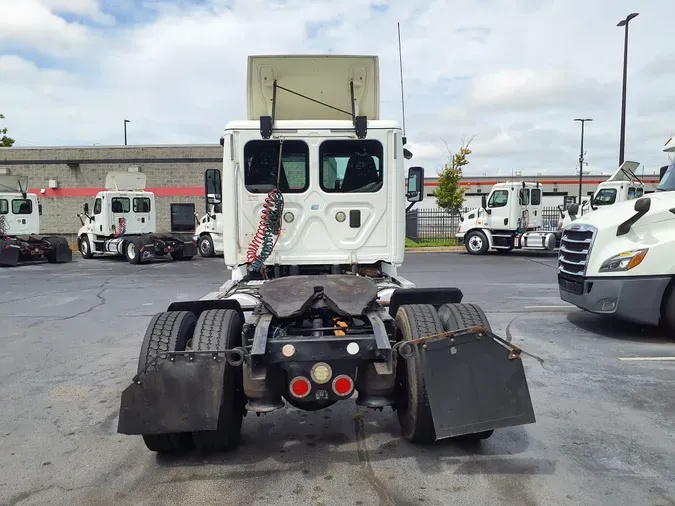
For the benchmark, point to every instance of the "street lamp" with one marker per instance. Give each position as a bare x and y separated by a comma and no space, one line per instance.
622,143
125,130
581,155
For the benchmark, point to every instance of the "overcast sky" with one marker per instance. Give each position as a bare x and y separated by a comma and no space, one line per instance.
514,73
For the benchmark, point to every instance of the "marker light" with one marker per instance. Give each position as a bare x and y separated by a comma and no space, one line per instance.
300,387
321,373
340,216
343,385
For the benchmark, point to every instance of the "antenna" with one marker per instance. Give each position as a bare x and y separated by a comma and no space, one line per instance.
400,63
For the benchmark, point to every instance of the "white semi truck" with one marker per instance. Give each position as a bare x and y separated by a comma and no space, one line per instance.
20,239
124,222
209,232
315,309
620,260
621,186
510,217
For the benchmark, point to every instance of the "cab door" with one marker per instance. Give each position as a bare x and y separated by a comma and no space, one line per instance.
498,204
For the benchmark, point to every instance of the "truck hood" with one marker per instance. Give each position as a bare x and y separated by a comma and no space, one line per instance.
610,217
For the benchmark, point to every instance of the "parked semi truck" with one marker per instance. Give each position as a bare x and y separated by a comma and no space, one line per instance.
20,239
209,232
510,217
315,310
124,222
621,186
620,261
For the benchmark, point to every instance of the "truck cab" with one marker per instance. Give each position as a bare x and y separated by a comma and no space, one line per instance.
510,217
621,186
618,260
209,232
19,214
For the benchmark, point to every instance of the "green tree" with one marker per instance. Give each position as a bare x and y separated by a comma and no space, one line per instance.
449,193
5,142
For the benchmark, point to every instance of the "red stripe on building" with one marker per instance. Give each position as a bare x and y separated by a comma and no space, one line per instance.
164,191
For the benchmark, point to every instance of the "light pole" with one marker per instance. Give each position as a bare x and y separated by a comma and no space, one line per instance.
622,142
125,130
581,155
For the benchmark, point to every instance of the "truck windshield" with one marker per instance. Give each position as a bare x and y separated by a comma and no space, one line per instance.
667,183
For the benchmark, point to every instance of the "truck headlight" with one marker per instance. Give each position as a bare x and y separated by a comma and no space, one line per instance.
624,261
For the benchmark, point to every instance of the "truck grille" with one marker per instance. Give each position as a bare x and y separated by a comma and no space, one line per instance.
575,246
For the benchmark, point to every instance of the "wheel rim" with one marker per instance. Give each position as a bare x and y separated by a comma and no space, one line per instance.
131,250
206,246
83,247
475,243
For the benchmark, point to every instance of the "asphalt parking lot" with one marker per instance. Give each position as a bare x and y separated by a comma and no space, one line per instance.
605,430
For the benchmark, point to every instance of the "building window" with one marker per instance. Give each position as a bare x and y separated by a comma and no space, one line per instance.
182,217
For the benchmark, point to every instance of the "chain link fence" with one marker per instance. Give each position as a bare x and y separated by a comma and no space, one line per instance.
430,225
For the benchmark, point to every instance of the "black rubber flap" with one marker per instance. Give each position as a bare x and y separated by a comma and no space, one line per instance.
474,386
62,252
179,396
290,296
9,253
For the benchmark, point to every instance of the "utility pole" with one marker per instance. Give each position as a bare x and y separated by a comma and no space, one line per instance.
125,130
622,142
581,155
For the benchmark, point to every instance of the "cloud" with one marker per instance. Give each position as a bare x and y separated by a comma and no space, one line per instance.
514,74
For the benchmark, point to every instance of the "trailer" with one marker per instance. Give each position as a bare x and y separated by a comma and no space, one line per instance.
509,218
124,223
315,312
20,238
209,232
618,261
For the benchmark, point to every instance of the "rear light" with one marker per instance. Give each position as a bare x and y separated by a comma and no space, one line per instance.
321,373
343,385
300,387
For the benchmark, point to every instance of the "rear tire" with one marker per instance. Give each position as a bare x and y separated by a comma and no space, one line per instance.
412,404
668,320
476,243
206,248
220,329
167,331
459,316
132,251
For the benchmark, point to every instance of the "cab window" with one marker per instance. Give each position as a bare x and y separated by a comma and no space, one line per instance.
97,206
524,197
499,198
22,206
353,166
261,166
634,192
605,197
120,205
4,206
535,197
141,205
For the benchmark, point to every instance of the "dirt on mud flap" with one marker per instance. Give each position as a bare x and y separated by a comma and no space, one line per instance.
180,394
475,381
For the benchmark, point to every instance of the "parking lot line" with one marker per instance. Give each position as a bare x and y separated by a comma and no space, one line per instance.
645,358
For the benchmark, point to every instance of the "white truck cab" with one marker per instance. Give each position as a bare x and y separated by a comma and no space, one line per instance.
124,222
620,260
510,217
621,186
20,238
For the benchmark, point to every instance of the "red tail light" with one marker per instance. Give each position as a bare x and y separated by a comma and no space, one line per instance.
343,385
300,387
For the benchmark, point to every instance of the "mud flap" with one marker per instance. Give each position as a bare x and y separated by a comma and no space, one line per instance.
62,251
180,395
474,384
9,253
189,249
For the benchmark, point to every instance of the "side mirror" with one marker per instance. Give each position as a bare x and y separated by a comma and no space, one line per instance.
642,206
212,187
662,172
415,187
483,201
86,208
573,209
